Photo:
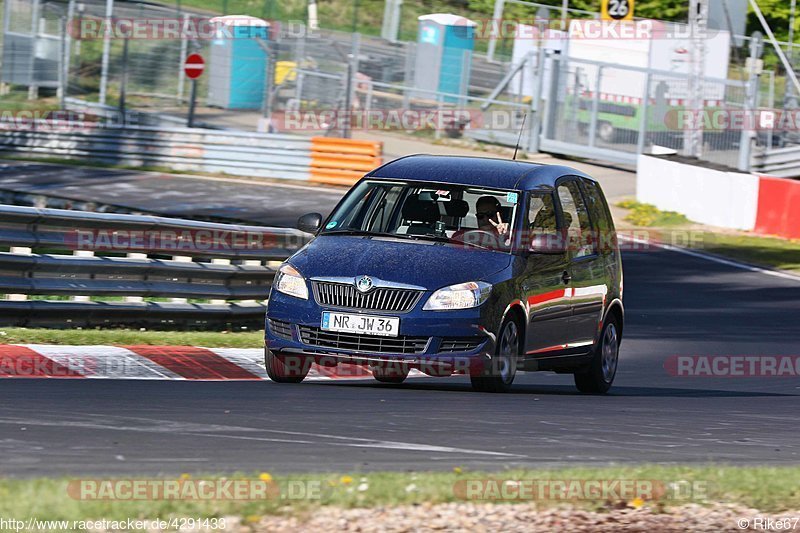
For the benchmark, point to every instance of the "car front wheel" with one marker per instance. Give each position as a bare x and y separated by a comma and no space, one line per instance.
286,368
599,375
390,373
499,374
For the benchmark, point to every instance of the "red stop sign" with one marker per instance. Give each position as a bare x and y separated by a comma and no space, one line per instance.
194,66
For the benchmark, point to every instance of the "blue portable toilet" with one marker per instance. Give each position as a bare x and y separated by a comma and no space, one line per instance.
444,55
237,63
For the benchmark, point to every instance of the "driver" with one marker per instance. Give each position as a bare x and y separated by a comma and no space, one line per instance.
487,211
492,231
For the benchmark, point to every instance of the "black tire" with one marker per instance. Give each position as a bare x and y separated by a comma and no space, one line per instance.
287,368
390,374
499,374
607,132
598,377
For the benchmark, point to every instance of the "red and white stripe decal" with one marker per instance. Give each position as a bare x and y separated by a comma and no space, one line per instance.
152,362
192,363
21,361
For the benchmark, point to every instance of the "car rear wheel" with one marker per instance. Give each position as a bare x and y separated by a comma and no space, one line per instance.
599,375
286,368
499,374
390,374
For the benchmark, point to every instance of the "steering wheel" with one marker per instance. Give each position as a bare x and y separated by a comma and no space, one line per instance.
480,237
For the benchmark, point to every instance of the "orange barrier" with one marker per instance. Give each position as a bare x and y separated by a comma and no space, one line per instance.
778,207
343,161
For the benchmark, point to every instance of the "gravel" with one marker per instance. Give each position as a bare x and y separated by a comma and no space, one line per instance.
518,517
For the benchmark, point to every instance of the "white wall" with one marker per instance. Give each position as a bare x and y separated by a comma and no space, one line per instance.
713,197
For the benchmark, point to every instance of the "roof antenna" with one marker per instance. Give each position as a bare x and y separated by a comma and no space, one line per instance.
519,139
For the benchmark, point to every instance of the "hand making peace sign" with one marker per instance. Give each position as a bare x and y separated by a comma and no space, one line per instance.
500,226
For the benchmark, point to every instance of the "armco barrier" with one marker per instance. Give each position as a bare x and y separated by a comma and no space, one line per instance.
342,161
778,207
110,264
327,160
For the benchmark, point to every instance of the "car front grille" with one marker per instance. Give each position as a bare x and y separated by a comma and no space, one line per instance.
314,336
281,329
346,296
456,344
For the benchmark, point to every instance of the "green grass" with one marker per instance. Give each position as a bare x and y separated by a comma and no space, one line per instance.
771,252
648,215
783,254
768,489
81,337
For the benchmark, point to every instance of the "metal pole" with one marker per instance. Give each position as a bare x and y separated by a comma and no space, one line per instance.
123,82
771,105
68,44
698,21
62,71
6,16
269,83
192,100
33,89
183,54
496,16
643,122
564,8
5,85
595,106
536,102
745,139
789,98
313,16
355,16
106,52
390,28
347,97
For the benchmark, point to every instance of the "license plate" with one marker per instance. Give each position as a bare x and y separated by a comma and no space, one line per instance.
384,326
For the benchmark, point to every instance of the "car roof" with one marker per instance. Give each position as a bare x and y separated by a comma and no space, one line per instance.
478,171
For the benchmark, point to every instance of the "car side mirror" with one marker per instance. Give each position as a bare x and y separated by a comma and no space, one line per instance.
310,222
548,243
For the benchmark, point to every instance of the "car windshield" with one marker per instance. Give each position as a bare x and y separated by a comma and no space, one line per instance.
474,216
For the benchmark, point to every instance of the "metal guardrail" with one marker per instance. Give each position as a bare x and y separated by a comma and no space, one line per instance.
779,162
184,149
219,267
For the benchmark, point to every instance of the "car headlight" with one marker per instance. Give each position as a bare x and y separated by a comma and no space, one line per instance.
461,296
290,281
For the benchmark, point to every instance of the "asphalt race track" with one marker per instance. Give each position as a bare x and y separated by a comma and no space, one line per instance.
182,196
676,305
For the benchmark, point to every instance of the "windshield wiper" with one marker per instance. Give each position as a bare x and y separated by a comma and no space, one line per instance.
359,232
426,237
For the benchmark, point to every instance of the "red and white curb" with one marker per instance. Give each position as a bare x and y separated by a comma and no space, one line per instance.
151,362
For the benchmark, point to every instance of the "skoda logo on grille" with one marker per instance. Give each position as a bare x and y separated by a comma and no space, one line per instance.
364,283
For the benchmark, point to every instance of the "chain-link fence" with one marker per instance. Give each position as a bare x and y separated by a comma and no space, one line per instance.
585,108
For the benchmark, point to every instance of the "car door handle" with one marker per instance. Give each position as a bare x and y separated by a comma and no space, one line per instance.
565,277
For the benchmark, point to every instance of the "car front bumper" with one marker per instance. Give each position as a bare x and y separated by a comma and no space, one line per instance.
435,326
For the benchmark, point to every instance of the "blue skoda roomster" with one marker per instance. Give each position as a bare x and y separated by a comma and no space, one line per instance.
455,265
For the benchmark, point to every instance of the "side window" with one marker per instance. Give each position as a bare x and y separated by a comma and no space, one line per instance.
576,219
542,216
601,216
594,200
